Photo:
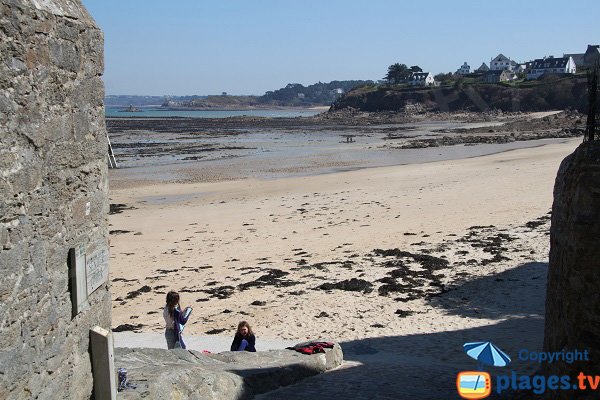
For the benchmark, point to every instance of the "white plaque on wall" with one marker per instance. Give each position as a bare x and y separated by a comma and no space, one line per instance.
78,279
96,268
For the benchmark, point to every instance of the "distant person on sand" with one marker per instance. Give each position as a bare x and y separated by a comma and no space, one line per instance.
175,320
244,339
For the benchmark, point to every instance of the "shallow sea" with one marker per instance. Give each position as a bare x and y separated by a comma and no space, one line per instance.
157,112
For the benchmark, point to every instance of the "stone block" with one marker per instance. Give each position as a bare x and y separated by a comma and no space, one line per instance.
187,374
67,30
572,299
38,56
89,91
103,367
92,42
64,54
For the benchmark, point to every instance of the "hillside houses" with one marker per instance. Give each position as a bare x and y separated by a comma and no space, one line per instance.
501,63
483,68
551,65
578,58
465,69
499,76
538,67
421,79
504,69
592,55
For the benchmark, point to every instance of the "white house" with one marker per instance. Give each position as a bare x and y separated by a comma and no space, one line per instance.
465,69
551,65
421,79
578,58
518,68
501,62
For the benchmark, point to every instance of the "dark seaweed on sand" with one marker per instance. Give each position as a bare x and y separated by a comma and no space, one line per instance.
118,208
273,277
215,331
538,222
221,292
426,261
128,327
136,293
351,285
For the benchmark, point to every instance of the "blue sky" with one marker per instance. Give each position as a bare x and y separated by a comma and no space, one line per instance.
248,47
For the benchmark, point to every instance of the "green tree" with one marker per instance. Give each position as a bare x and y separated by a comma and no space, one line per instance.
397,73
444,78
415,68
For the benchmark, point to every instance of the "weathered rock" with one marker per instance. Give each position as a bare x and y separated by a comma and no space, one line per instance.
185,374
573,295
52,163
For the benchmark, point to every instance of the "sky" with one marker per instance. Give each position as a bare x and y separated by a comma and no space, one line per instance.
186,47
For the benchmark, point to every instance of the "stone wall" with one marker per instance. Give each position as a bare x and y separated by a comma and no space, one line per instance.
573,295
52,164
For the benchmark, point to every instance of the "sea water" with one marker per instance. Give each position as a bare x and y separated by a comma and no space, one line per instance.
157,113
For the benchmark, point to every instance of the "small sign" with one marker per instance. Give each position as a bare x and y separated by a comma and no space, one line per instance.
88,272
78,279
96,268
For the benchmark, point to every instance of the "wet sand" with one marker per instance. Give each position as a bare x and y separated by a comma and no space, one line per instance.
153,151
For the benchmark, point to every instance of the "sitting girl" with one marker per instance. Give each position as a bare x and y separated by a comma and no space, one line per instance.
175,320
244,338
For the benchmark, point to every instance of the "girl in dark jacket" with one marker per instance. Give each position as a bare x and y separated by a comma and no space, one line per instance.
175,320
244,339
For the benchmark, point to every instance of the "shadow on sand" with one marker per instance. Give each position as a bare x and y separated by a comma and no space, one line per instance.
509,307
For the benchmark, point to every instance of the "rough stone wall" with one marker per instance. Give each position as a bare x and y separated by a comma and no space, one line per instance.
52,162
573,295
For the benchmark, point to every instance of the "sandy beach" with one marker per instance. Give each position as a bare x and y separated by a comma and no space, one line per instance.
382,251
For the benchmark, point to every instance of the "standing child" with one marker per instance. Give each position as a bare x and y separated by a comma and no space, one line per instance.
175,320
244,339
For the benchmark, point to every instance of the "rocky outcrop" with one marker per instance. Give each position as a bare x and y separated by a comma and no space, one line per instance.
545,95
573,294
186,374
53,194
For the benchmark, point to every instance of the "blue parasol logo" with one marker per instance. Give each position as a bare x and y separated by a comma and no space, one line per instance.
486,353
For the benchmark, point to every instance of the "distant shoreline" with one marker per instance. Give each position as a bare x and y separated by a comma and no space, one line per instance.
244,108
164,113
240,108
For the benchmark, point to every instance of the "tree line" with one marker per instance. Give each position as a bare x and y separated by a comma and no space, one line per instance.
398,73
318,93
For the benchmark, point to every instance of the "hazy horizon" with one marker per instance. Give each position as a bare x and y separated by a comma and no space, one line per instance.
242,48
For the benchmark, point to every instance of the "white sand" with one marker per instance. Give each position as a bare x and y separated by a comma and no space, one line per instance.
336,217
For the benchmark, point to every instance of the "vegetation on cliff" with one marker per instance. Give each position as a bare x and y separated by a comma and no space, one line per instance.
548,93
317,94
398,73
292,95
